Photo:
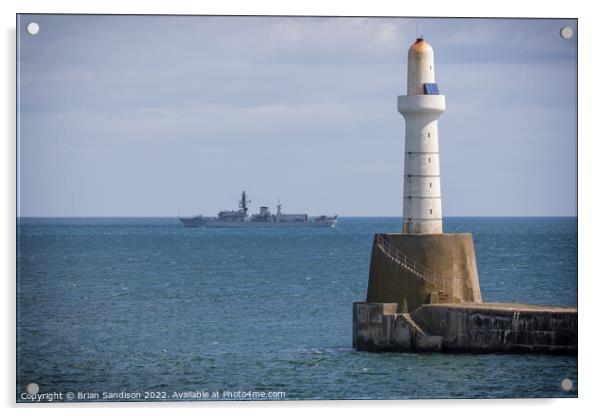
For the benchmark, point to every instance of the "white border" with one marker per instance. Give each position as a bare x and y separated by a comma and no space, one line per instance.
590,290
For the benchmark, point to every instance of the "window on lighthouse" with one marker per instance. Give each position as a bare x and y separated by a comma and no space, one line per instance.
430,88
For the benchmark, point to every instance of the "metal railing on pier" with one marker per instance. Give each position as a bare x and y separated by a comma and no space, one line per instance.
436,280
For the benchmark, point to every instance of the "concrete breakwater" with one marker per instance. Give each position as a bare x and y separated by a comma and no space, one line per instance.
424,295
477,327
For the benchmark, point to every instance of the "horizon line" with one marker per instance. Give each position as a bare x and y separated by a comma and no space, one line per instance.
339,216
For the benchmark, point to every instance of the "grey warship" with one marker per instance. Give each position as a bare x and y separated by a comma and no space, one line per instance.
240,219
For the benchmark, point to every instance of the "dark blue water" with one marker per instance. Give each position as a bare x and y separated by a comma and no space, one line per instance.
137,305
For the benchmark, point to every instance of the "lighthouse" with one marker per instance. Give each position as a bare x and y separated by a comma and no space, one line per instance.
423,285
421,108
421,264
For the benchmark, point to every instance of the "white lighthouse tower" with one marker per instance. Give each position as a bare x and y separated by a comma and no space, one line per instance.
421,108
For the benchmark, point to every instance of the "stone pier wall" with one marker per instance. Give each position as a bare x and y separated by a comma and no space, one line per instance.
495,327
482,328
378,327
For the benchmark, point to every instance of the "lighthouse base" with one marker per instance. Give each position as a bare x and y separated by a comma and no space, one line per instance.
476,328
416,269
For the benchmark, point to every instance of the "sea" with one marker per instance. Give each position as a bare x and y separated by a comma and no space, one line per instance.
144,309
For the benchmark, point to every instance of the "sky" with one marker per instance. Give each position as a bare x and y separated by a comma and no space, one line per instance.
176,115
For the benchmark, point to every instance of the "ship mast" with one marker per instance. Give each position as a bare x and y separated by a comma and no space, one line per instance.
242,204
